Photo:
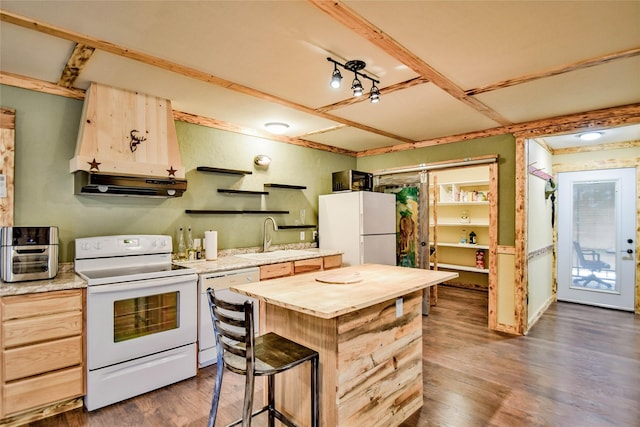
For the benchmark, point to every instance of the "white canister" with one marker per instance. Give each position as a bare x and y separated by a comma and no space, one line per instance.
211,245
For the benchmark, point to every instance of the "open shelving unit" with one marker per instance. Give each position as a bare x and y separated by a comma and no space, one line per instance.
460,205
228,191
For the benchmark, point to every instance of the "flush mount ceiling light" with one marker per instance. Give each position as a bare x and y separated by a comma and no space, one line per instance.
356,86
276,127
590,136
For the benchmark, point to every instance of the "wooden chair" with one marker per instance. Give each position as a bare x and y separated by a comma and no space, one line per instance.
240,351
590,260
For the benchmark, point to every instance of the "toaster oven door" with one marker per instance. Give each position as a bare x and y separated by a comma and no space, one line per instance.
21,263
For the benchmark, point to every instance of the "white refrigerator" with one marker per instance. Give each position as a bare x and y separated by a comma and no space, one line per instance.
362,224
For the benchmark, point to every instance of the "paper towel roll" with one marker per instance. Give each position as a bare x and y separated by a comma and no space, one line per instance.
211,245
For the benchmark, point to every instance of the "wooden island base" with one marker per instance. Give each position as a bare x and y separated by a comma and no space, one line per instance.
370,363
365,321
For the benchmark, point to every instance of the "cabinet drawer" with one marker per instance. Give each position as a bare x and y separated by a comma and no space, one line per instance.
332,261
42,390
41,328
307,265
36,359
41,304
276,270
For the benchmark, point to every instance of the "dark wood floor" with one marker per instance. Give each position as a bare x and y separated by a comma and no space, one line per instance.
578,366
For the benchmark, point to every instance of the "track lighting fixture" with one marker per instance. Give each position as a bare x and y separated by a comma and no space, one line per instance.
356,86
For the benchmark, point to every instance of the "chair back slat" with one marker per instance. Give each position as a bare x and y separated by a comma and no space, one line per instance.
233,328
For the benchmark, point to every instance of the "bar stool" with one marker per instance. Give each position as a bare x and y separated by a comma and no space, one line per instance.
240,351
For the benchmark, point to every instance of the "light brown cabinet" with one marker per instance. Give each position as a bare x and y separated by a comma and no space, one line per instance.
283,269
43,357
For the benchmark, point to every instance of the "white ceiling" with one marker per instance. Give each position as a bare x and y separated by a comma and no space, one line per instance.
279,49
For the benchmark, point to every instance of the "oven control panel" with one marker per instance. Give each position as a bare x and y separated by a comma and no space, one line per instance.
123,245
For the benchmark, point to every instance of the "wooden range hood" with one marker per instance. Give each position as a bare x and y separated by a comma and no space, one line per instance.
127,145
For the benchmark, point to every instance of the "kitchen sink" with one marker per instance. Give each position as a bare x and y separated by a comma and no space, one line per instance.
284,253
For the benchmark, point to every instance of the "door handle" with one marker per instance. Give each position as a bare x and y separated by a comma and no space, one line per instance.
629,251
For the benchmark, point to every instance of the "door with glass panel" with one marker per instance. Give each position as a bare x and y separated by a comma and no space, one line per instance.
597,237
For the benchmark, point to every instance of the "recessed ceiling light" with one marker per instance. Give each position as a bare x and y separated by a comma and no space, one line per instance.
276,127
590,136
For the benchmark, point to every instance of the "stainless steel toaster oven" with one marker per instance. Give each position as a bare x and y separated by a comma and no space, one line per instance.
28,253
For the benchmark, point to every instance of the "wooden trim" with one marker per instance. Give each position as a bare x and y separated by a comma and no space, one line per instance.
580,65
596,119
597,164
506,250
7,163
493,247
78,59
7,118
600,147
609,117
179,69
521,282
343,14
23,82
229,127
509,329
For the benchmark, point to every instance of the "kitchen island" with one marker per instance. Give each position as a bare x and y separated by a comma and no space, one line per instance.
366,323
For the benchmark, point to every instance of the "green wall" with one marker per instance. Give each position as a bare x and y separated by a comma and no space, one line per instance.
502,145
46,132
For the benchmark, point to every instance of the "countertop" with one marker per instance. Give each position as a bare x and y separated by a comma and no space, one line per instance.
67,279
371,284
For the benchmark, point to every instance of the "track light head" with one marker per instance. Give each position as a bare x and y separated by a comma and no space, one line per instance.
336,77
356,87
374,95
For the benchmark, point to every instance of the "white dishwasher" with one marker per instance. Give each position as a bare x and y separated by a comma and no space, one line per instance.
220,283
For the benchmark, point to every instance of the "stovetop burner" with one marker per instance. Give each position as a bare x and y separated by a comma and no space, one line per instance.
117,259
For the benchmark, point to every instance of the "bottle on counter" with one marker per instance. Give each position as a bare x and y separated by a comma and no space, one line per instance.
182,248
197,244
191,250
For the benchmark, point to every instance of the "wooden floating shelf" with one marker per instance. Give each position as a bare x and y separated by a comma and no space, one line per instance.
225,171
222,211
253,193
286,227
291,187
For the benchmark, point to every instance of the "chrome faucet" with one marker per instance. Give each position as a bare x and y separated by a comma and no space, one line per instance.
267,242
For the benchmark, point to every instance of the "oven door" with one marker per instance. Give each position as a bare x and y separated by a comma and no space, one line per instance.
139,318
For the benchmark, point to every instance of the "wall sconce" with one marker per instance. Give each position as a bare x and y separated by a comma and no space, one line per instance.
262,160
356,86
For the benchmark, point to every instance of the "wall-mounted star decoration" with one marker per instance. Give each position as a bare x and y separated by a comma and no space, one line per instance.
172,171
94,165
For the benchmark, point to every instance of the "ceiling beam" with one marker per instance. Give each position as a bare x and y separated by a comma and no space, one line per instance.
590,120
79,57
219,124
580,65
190,72
593,120
341,13
23,82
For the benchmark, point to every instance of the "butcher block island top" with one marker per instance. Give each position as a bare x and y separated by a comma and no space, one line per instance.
365,321
329,294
